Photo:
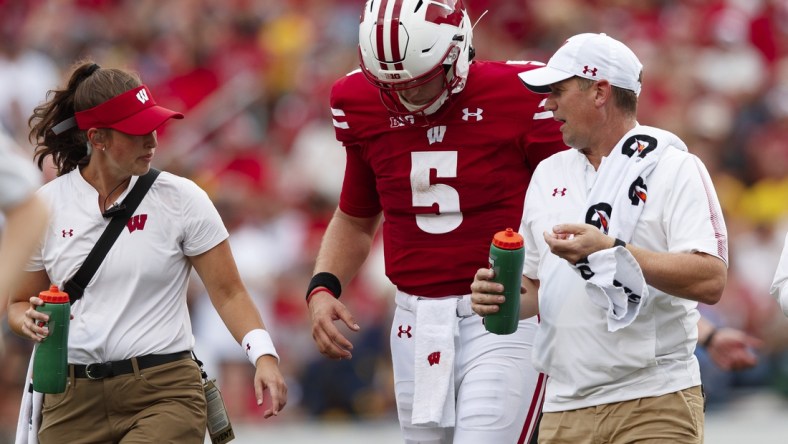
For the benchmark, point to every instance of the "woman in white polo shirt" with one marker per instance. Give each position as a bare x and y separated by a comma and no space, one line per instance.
132,323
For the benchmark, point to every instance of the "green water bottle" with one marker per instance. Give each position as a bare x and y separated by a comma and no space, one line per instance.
50,362
506,260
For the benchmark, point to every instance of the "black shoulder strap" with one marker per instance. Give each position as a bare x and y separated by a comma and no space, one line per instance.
75,287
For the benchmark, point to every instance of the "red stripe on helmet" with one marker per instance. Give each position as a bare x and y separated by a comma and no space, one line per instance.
395,51
379,24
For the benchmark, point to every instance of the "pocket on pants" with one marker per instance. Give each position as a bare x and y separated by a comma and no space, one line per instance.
53,400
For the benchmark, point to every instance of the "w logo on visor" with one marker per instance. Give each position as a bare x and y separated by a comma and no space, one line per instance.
142,96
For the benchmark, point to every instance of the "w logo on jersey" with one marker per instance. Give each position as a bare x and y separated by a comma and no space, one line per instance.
142,95
137,222
436,133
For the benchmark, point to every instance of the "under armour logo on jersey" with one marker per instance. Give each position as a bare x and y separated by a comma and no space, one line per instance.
339,113
434,358
638,191
599,216
405,331
436,133
559,192
477,115
640,144
142,95
587,70
69,233
137,222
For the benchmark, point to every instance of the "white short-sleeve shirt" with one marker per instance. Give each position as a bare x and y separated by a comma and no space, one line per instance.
588,365
136,302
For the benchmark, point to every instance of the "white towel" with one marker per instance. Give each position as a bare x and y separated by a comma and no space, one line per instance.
615,281
622,299
436,328
29,411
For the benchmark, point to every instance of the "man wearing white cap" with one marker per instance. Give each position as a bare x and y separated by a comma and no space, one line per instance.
626,236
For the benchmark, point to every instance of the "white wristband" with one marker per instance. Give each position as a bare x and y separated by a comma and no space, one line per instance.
257,343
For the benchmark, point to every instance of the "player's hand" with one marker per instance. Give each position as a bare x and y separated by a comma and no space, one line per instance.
268,377
486,295
732,349
324,310
34,321
574,242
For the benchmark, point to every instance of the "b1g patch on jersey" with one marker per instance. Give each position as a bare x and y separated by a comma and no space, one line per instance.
400,121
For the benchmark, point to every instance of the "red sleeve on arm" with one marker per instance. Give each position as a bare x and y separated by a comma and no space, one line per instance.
359,197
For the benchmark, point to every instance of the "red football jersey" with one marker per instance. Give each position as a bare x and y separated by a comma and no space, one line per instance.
446,188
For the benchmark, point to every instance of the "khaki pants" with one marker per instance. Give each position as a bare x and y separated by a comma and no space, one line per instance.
675,418
162,404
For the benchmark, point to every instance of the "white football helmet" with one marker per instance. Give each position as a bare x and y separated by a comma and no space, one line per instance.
404,44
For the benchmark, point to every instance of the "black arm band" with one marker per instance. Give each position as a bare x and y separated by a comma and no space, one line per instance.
327,280
619,243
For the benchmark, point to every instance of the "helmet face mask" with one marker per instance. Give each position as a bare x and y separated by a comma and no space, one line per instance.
409,48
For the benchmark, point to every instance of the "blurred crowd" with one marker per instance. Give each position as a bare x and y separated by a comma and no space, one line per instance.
253,77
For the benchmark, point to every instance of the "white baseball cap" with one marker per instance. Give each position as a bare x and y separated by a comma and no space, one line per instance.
591,56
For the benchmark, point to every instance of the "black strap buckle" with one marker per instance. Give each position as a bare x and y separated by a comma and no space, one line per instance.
99,370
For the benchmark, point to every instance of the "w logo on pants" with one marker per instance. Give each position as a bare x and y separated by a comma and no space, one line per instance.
434,358
137,222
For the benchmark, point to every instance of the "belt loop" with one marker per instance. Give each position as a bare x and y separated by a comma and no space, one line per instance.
135,365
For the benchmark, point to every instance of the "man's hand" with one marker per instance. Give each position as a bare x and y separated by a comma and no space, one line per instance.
486,295
574,242
324,309
732,349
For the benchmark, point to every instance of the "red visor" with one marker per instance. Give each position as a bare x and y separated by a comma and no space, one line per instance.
133,112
